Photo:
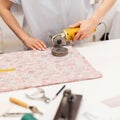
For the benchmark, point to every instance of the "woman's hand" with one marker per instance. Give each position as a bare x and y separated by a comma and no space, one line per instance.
87,27
34,44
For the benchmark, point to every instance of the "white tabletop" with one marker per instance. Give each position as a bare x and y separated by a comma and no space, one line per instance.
103,56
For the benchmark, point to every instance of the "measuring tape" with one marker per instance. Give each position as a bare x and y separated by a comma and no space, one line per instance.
7,70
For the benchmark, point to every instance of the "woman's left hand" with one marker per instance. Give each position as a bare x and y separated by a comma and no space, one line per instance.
87,27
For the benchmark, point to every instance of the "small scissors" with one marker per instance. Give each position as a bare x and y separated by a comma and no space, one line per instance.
39,94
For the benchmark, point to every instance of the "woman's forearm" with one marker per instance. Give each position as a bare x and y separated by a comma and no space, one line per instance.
11,21
102,10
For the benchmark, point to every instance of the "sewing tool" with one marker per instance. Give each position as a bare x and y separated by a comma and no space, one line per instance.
66,36
58,50
59,92
25,105
7,70
69,106
14,114
61,39
39,94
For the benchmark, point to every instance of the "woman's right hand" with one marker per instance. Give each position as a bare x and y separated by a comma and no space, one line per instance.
34,44
8,17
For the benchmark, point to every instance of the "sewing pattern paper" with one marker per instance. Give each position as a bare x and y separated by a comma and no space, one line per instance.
40,68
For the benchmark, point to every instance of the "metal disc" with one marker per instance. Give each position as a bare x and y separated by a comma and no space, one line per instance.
59,52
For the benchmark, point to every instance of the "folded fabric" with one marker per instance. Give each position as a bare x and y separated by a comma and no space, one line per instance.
41,68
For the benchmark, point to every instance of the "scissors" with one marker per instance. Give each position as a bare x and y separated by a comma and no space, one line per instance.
39,94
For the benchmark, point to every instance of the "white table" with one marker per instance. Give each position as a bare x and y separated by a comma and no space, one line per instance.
104,56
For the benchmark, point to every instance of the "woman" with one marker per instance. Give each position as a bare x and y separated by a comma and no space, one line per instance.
46,17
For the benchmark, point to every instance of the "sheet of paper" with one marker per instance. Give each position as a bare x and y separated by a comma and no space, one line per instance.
113,102
94,110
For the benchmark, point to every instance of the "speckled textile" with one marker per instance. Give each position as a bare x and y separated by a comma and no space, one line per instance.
40,68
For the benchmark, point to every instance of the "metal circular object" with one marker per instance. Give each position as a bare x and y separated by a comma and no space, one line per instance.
59,52
39,94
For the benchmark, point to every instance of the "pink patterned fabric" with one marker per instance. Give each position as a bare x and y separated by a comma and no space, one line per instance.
40,68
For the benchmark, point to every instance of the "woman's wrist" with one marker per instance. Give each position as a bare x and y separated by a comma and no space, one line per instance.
25,37
95,20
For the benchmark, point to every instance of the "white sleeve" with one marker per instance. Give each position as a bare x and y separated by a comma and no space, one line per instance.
16,1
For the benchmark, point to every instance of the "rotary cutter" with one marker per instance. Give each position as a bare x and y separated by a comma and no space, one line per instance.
62,39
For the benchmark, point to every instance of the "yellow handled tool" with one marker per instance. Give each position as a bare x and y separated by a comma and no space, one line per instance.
71,32
25,105
18,102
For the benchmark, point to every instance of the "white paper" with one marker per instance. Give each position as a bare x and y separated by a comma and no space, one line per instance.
113,102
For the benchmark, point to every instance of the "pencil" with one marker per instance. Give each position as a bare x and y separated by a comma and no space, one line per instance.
59,92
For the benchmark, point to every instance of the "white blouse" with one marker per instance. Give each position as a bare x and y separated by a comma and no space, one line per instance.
48,17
